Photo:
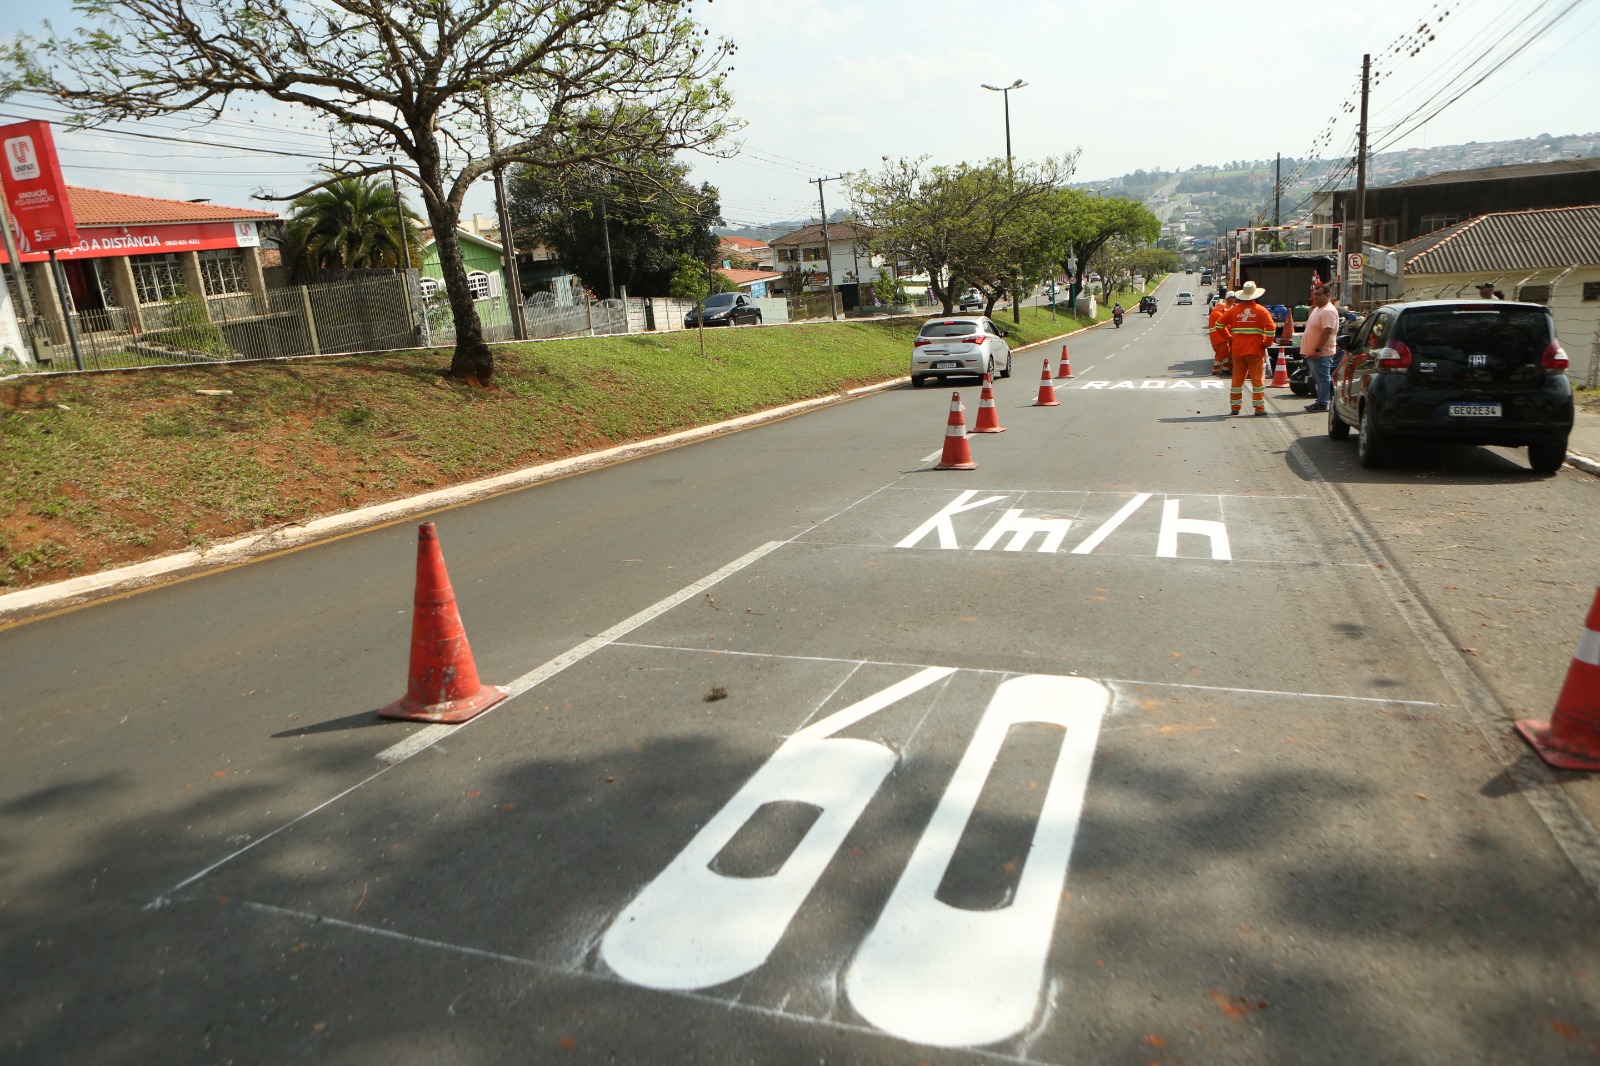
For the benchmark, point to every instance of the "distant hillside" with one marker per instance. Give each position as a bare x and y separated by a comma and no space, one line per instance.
1237,188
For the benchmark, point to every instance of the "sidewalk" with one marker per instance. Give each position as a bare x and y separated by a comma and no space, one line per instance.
1583,447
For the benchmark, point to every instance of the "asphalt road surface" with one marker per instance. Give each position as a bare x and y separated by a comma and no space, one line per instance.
1161,736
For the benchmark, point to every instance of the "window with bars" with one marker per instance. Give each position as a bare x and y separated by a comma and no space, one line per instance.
157,277
1534,294
222,271
1591,290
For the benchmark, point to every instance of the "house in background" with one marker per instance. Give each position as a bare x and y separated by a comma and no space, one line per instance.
135,253
855,268
1549,256
735,252
757,283
485,265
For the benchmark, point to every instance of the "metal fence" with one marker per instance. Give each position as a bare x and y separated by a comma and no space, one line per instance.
366,314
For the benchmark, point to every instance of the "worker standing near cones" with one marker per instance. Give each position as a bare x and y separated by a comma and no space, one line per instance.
1251,329
1221,360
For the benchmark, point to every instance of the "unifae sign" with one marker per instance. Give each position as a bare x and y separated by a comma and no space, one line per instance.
36,193
98,242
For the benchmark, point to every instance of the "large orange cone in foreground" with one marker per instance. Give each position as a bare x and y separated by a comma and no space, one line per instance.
1065,369
1571,739
957,453
988,417
442,685
1047,391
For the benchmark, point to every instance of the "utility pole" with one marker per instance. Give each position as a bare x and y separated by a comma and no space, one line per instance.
605,230
827,248
1277,194
1005,91
405,244
508,245
1359,229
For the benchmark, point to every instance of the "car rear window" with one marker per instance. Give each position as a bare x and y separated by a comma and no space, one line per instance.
949,329
1516,335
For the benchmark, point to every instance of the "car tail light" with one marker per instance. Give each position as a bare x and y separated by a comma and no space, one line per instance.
920,341
976,338
1554,358
1395,357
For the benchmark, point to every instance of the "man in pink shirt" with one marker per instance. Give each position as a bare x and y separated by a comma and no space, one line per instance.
1318,345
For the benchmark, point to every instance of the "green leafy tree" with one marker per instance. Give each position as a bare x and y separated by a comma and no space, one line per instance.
971,224
1092,221
643,206
571,83
354,224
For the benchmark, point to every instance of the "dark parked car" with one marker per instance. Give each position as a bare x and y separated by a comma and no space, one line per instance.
725,309
1455,372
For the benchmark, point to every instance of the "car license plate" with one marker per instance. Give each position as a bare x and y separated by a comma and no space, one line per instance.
947,364
1475,410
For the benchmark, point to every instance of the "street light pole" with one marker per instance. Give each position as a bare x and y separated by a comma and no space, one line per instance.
1005,92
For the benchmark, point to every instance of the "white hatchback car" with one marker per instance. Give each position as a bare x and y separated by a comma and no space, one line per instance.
970,344
1186,297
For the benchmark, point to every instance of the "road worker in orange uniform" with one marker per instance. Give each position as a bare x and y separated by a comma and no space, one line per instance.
1251,329
1221,360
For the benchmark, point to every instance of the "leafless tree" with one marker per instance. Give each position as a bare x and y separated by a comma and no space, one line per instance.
570,82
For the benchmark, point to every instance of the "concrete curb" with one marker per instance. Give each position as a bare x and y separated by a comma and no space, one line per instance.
17,606
1584,463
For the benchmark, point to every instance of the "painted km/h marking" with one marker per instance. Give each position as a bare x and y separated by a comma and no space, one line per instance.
1053,530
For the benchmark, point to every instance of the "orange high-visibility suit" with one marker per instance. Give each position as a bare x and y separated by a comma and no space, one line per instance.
1251,329
1221,360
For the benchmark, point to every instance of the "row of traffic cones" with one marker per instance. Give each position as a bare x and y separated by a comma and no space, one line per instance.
957,453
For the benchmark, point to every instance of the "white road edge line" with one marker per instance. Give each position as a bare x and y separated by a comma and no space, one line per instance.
1574,834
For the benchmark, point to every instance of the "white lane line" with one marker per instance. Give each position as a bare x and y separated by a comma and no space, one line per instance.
598,977
732,653
427,737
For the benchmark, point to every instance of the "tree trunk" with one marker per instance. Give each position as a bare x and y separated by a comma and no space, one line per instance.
473,361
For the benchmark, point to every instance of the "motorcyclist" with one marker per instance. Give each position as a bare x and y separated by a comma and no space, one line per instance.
1116,314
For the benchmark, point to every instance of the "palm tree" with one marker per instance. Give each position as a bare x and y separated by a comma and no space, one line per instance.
353,224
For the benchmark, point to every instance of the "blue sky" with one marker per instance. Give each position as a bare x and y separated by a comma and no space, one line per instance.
826,89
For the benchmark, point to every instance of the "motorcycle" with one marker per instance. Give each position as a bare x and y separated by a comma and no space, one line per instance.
1116,316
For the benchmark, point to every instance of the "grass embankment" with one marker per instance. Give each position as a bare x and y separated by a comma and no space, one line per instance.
99,470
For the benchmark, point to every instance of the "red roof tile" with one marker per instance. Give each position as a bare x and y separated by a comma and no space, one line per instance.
96,207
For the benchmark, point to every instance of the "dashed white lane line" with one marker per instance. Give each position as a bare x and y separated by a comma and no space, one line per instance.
429,735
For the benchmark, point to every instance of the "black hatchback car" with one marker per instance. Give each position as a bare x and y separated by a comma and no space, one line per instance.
725,309
1454,372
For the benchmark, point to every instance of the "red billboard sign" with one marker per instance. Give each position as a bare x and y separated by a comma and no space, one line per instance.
36,193
98,242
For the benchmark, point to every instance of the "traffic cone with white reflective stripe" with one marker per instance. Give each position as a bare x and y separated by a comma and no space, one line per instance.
988,418
442,683
1047,391
1065,369
1571,739
957,453
1280,369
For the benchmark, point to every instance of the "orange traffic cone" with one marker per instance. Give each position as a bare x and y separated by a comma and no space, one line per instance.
442,685
988,418
1065,369
957,453
1047,391
1280,371
1571,739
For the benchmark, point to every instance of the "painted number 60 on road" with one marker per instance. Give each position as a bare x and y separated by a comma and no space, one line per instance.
927,971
